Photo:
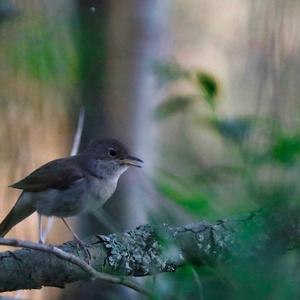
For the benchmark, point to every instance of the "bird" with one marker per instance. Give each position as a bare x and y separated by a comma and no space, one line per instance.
71,186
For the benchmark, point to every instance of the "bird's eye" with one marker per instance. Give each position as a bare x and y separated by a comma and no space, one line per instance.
112,152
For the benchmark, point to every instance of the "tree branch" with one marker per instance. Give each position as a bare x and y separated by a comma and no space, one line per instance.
74,260
149,250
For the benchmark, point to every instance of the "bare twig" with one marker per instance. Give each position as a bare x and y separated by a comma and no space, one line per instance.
78,133
76,261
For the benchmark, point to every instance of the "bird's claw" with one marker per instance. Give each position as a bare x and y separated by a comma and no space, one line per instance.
84,246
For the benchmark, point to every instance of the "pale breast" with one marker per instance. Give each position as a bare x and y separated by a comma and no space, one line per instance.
100,191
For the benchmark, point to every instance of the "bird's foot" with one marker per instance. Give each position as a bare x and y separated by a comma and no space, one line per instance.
84,246
79,242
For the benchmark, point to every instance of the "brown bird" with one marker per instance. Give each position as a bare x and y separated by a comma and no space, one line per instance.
73,185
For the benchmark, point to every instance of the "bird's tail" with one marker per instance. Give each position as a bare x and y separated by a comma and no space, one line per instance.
22,209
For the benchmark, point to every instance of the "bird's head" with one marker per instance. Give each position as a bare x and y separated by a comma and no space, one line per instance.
112,155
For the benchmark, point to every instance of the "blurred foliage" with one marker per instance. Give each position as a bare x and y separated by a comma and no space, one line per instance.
205,85
208,87
182,193
45,51
260,168
173,105
286,149
235,129
168,72
7,11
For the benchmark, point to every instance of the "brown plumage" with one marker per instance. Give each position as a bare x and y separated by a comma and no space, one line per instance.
57,174
20,211
69,186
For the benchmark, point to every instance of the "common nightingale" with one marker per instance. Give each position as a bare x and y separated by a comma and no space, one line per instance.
73,185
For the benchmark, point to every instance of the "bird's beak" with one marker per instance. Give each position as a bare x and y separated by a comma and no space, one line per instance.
132,161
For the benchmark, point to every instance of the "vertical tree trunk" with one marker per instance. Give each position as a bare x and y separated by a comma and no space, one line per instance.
118,89
92,49
137,41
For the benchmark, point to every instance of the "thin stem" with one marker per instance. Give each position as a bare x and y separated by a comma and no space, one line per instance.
76,261
78,133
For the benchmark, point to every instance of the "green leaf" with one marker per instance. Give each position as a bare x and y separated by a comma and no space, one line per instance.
286,149
208,86
168,72
173,105
42,53
235,129
189,198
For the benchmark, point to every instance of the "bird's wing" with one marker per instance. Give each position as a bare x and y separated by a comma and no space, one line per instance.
56,174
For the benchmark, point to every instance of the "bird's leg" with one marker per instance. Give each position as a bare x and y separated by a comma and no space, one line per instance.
78,240
76,237
41,236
